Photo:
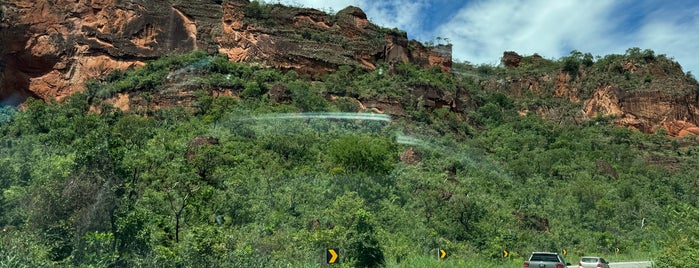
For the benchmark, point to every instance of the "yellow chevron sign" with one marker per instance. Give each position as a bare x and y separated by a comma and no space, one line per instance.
331,255
442,253
505,253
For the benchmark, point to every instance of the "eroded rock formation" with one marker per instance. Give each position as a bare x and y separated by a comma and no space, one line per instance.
48,49
52,47
648,94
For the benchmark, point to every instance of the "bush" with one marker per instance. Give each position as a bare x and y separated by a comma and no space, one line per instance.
345,104
252,90
364,247
257,10
587,60
571,65
22,249
306,97
363,154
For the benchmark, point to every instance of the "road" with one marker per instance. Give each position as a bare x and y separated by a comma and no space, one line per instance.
634,264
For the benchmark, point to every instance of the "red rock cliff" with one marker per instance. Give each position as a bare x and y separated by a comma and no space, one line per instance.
647,93
48,49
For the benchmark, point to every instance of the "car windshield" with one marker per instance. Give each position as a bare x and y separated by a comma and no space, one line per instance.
589,260
544,257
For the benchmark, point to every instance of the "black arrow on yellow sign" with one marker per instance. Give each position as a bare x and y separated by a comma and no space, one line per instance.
505,253
442,253
331,255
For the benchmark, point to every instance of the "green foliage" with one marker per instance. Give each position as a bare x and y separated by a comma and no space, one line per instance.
363,245
23,249
247,182
97,249
7,113
636,53
258,10
363,154
263,13
587,60
681,249
648,79
307,97
536,64
486,69
571,64
148,78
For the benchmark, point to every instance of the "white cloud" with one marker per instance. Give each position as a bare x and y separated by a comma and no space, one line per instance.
482,31
673,33
404,15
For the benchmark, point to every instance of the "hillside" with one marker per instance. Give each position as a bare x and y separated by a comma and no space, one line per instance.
638,90
196,159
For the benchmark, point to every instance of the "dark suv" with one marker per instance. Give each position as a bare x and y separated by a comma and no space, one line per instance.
545,260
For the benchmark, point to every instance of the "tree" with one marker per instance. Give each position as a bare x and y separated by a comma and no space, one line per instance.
357,227
363,245
358,154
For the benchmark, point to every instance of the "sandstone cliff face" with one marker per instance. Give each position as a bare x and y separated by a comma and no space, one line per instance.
52,47
49,48
647,94
667,101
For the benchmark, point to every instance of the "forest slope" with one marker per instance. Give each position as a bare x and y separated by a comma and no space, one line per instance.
265,168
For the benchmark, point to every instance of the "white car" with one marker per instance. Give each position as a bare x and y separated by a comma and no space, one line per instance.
593,262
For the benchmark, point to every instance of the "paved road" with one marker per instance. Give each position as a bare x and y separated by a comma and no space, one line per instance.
635,264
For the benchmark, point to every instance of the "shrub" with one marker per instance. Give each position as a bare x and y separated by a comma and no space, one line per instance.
306,97
257,10
345,104
571,65
587,60
252,90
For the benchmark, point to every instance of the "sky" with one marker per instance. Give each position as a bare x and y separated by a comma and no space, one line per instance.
481,30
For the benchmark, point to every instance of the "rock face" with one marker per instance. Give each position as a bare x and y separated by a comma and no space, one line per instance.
49,48
647,94
511,59
646,111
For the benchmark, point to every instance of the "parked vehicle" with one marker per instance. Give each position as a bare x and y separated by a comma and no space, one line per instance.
593,262
546,260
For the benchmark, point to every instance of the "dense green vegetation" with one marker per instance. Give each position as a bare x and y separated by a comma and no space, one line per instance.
252,182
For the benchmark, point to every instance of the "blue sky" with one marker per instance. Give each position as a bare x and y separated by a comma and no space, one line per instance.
480,30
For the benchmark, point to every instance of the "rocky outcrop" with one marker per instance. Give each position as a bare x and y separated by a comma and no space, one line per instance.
511,59
680,128
647,111
411,156
647,94
48,49
311,42
52,47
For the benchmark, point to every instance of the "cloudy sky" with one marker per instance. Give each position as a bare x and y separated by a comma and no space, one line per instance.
480,30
